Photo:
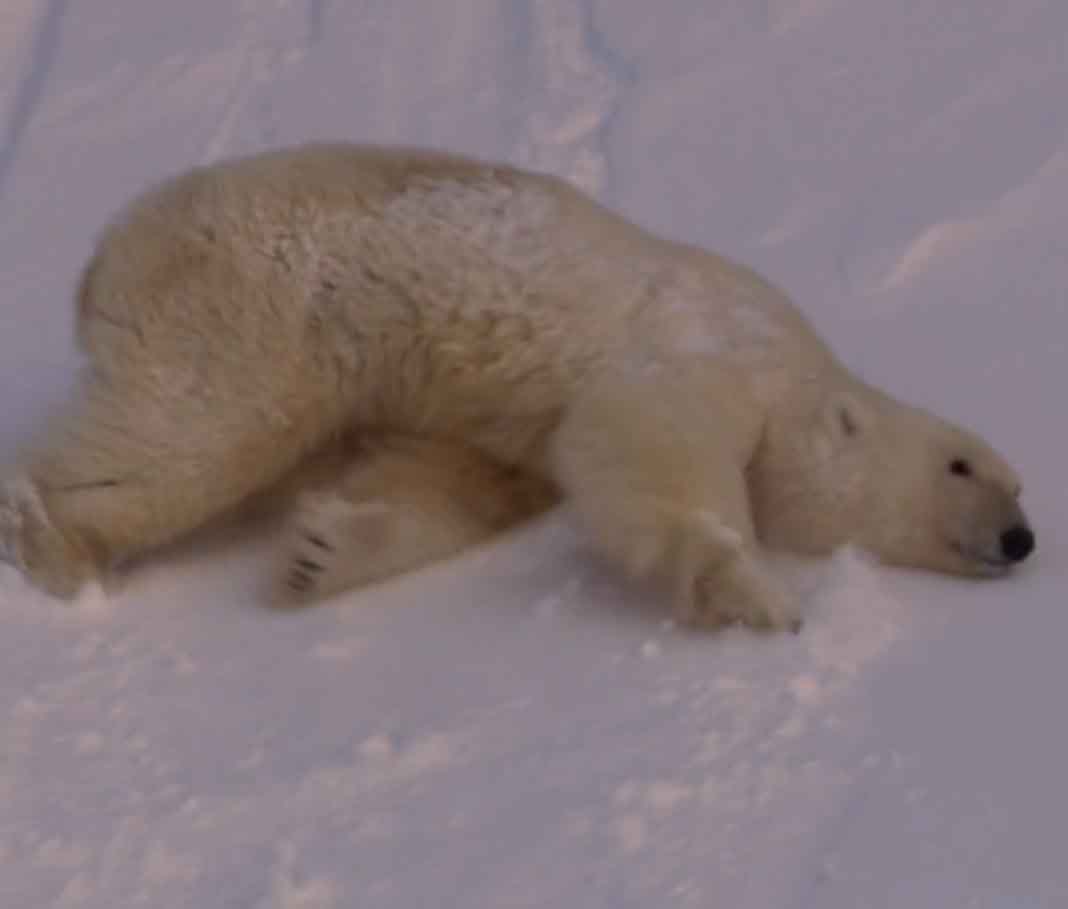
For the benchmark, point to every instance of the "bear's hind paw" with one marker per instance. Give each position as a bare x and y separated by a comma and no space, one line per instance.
331,547
31,543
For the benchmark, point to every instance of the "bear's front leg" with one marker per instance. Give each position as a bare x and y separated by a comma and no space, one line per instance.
720,581
652,464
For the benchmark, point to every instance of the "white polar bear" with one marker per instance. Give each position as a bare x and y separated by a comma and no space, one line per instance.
493,340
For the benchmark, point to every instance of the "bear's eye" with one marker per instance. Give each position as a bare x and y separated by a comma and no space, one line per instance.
959,467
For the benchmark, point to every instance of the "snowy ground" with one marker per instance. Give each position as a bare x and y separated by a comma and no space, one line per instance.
520,729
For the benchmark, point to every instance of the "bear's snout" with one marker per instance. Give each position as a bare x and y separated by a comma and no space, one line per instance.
1017,543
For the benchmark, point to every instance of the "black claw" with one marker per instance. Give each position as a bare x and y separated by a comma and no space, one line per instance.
309,565
319,541
299,581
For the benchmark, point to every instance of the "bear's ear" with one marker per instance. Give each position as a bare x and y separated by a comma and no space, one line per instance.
845,418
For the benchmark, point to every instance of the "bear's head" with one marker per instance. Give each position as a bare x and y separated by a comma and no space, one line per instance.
857,466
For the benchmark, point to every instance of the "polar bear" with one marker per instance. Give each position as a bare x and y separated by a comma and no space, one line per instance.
469,343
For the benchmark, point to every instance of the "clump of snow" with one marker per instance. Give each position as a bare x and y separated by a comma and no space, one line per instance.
854,618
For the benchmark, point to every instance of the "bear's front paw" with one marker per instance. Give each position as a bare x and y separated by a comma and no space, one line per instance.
30,541
738,591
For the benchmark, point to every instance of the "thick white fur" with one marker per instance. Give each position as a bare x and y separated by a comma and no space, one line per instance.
497,339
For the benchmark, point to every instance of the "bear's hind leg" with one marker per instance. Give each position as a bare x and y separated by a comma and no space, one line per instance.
56,562
404,503
128,471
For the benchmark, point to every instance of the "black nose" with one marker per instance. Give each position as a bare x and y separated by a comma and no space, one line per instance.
1017,543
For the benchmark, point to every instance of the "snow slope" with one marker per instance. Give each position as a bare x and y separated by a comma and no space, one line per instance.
519,728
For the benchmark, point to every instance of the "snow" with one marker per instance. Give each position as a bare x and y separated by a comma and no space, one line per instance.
521,728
